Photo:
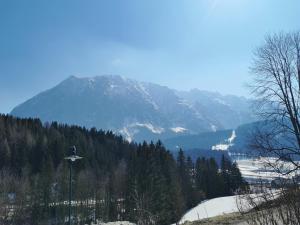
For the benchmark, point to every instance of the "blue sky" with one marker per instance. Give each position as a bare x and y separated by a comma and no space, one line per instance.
183,44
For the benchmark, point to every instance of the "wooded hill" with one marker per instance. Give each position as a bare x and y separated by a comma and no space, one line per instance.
115,180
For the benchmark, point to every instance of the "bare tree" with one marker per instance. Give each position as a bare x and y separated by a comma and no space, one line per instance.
276,69
142,213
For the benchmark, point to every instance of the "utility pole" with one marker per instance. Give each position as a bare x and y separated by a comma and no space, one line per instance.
71,158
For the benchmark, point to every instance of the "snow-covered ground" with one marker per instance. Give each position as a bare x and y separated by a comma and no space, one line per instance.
211,208
255,169
222,205
115,223
258,168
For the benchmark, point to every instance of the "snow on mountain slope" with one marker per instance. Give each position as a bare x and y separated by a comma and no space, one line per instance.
131,130
226,144
178,129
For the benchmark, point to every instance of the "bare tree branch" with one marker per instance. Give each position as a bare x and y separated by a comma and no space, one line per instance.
276,84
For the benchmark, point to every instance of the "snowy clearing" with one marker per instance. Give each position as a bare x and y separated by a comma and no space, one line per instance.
259,168
114,223
221,206
211,208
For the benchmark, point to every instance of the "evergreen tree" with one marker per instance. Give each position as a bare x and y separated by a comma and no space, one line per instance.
186,179
226,175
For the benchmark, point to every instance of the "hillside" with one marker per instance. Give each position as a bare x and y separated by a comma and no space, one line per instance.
115,179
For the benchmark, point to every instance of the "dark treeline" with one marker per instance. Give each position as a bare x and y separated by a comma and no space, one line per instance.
115,180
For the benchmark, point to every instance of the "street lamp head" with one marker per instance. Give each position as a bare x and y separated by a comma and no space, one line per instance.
73,150
72,154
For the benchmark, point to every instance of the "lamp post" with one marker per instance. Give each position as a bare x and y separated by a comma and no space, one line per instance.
71,158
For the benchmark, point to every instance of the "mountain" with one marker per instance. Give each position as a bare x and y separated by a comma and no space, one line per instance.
137,110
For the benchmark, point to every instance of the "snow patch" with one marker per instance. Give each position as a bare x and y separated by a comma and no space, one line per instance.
185,103
213,127
153,129
221,101
112,86
130,130
127,134
220,206
178,129
220,147
233,136
227,143
141,88
114,223
211,208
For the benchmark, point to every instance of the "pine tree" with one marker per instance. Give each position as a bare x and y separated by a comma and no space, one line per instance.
225,175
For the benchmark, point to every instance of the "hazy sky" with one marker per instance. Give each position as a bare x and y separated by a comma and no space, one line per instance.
183,44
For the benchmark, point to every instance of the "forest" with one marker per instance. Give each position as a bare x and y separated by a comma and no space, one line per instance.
115,179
